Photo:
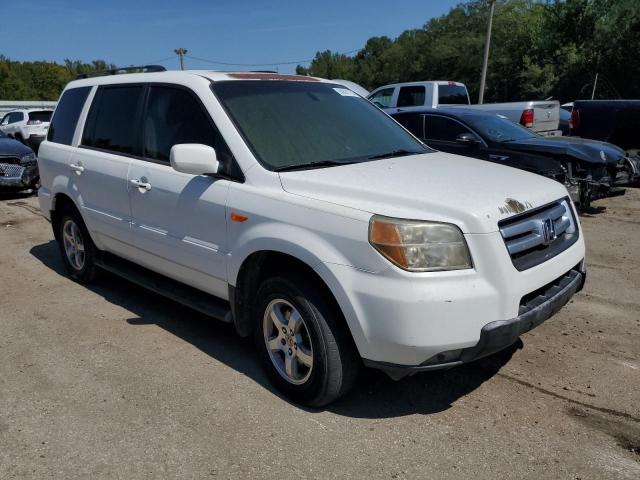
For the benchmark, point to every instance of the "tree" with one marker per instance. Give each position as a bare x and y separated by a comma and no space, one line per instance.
40,80
538,50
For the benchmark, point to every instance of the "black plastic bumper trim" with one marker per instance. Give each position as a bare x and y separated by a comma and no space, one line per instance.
494,336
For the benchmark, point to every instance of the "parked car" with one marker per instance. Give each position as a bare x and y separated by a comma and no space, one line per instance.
613,121
301,213
540,116
28,126
589,167
18,166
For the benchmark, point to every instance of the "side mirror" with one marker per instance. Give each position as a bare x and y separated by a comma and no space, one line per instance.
468,139
194,158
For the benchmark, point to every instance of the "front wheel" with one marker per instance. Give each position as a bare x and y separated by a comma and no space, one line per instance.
303,341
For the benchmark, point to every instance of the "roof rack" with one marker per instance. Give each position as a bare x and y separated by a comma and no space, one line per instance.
120,71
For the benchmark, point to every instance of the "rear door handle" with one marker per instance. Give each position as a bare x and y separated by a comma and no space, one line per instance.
140,184
76,168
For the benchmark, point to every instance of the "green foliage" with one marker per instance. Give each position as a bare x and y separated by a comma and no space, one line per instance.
538,50
40,80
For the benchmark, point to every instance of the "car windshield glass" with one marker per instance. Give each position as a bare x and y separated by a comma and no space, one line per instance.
498,129
299,123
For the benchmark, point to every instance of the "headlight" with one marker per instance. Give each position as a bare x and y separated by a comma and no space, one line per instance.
29,157
419,246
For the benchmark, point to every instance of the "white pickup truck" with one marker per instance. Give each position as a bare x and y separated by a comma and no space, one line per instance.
543,116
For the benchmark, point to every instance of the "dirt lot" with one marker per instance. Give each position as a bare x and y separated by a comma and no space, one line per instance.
115,382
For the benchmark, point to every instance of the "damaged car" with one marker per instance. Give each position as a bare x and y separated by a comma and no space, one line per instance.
18,166
590,169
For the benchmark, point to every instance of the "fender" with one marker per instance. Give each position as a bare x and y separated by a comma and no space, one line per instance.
309,248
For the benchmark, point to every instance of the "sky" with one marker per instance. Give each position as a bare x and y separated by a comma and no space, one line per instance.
137,32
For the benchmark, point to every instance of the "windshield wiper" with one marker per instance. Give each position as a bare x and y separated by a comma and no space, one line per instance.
310,165
395,153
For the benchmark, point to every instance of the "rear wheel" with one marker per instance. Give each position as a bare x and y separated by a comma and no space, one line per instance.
77,248
303,341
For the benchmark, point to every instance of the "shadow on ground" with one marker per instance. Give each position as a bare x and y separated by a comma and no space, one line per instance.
374,395
15,195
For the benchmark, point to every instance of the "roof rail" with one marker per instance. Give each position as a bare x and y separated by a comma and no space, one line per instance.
120,71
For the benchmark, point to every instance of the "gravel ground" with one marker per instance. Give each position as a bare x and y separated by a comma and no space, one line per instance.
112,381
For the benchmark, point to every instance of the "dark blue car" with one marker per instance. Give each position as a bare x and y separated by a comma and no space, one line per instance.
592,169
18,166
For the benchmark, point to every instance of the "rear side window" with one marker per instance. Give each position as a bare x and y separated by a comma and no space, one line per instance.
113,119
452,95
382,98
15,117
173,116
66,115
414,122
443,128
411,96
44,116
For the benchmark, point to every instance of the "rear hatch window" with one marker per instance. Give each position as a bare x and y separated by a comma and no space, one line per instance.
452,95
44,116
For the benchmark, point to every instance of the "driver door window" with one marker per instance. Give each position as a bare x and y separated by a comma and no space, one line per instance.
443,129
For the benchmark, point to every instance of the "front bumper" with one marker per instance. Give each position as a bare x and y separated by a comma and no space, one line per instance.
500,334
402,318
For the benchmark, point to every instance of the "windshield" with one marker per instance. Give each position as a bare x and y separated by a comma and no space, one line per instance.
498,129
308,123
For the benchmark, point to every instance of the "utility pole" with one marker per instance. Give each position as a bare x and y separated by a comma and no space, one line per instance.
595,84
487,43
181,52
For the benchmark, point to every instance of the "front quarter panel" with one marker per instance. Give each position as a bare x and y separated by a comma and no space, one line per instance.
310,230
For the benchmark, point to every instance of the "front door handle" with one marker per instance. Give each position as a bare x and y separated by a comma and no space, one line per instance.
140,183
77,168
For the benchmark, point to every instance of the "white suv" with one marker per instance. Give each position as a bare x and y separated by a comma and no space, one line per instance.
29,126
307,217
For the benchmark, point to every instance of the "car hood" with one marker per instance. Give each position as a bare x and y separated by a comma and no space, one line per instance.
592,151
437,186
9,146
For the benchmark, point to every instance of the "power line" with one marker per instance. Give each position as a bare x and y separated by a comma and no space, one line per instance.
216,62
162,60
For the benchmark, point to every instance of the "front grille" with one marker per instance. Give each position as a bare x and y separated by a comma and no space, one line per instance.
10,170
10,159
536,236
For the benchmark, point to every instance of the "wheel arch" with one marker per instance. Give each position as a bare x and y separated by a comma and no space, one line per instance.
263,264
60,201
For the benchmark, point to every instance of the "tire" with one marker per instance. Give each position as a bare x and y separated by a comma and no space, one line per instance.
79,258
320,335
